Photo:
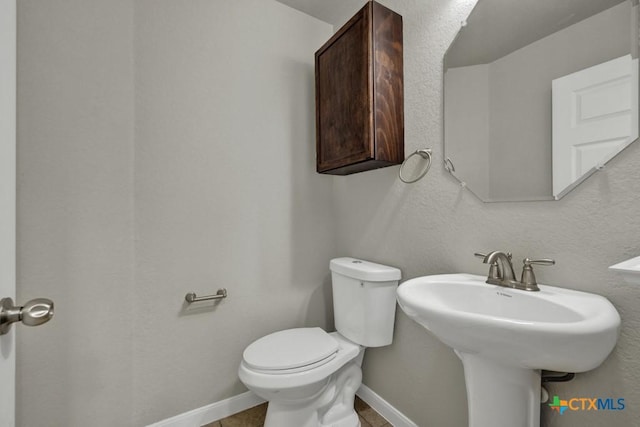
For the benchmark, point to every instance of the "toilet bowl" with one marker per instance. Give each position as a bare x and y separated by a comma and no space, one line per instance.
309,376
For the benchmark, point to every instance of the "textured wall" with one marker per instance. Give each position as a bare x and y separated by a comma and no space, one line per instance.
226,193
75,210
219,97
434,227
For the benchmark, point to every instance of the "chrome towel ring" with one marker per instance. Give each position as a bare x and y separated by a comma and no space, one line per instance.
425,153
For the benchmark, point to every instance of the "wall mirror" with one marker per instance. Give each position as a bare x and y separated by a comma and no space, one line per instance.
539,94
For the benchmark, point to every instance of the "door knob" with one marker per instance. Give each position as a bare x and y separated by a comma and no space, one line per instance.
33,313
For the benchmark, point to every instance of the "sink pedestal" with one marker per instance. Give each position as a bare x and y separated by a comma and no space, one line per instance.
499,395
504,337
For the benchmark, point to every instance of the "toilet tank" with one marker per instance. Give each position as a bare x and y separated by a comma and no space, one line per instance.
364,300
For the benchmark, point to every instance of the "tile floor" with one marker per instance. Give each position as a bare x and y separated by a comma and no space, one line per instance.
254,417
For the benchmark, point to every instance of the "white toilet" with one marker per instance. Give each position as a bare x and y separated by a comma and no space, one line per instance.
309,376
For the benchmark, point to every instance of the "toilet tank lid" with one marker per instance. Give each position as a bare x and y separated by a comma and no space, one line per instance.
364,270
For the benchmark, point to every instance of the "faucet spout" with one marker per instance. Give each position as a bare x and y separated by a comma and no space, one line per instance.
503,261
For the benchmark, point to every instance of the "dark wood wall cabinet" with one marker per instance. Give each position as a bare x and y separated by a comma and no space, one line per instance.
359,94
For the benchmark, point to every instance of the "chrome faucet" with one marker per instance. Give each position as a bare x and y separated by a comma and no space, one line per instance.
503,261
501,271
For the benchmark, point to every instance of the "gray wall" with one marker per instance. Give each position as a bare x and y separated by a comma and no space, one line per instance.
218,97
75,210
467,125
226,193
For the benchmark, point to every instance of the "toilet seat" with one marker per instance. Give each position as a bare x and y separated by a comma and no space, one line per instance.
280,380
291,351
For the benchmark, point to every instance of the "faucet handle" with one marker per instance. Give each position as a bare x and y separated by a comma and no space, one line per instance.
543,261
528,279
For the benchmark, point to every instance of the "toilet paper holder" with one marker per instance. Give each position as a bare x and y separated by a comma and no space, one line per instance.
192,297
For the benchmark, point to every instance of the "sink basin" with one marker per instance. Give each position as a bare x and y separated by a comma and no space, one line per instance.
506,336
555,329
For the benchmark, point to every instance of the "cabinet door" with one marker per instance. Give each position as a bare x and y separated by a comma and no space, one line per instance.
344,103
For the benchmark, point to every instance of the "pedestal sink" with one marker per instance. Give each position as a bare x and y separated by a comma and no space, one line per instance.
505,337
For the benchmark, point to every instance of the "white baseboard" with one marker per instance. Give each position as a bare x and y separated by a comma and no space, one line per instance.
384,408
210,413
233,405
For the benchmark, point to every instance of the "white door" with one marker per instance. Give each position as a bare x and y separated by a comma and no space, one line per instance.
595,116
7,201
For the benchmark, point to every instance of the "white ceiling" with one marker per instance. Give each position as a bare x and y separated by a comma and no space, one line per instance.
335,12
